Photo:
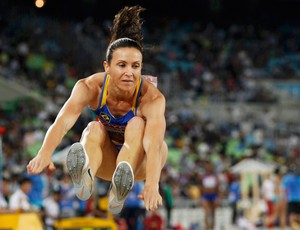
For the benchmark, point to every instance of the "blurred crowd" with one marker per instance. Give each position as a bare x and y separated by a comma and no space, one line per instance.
47,56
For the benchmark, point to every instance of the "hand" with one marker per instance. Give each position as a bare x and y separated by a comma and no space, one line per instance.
38,164
151,197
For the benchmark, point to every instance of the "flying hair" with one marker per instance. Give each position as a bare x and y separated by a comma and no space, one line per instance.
128,24
126,30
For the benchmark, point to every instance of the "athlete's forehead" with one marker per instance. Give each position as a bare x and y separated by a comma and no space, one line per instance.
127,54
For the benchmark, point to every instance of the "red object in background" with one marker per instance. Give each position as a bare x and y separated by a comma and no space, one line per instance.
122,224
2,130
154,222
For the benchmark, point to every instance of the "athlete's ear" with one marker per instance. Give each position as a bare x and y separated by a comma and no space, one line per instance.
106,66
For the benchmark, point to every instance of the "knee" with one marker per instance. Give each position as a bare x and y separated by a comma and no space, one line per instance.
135,129
94,130
136,123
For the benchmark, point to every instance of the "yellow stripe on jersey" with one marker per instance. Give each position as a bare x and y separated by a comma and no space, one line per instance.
138,85
104,94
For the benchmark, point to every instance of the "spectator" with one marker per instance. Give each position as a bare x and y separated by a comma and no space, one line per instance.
280,210
37,192
166,188
210,195
51,209
68,203
4,195
291,185
268,194
19,200
234,194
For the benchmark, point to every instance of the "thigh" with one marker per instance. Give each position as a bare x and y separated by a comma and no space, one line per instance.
108,164
109,153
206,205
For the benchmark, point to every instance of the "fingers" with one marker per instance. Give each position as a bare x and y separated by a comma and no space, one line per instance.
29,171
32,168
152,199
35,166
160,203
51,166
153,204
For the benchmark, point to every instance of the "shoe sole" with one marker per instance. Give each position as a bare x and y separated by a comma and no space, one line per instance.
123,180
75,162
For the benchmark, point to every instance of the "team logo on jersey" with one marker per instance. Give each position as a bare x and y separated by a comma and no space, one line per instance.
105,117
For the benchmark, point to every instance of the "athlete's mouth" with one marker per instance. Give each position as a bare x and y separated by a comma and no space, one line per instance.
127,81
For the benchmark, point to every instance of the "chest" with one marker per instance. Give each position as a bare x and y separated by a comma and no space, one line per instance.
118,108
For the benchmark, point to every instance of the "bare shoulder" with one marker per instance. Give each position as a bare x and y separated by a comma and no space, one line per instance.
151,93
87,89
152,100
92,81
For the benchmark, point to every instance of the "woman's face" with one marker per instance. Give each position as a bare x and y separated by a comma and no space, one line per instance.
26,187
125,67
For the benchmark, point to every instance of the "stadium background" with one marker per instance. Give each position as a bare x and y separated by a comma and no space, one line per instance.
232,65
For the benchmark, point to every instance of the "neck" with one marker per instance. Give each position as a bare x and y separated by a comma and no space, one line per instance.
117,94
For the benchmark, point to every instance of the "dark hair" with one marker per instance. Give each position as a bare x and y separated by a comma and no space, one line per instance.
126,30
23,179
277,170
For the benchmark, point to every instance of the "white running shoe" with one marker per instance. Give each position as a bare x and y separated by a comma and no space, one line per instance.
122,183
80,171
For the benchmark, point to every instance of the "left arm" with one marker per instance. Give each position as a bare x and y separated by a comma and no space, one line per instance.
153,140
154,111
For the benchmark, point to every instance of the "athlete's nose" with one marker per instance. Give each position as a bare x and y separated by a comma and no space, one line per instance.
129,72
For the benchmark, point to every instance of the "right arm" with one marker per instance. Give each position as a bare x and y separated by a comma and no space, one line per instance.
64,121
